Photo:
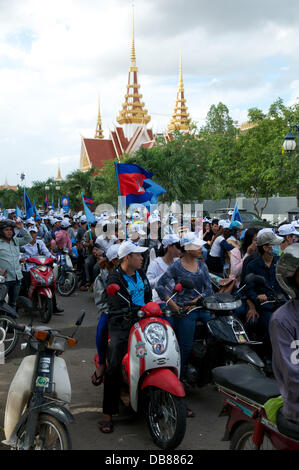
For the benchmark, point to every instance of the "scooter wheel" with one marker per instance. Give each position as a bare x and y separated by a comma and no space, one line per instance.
69,285
46,309
166,418
8,336
50,434
242,439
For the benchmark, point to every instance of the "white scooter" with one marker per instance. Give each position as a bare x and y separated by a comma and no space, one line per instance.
36,417
151,370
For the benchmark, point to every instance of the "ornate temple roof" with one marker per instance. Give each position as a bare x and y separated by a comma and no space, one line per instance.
99,131
133,111
180,115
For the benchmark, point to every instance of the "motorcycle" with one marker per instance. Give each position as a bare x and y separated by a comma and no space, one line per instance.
65,275
245,393
151,370
36,416
222,341
42,286
8,315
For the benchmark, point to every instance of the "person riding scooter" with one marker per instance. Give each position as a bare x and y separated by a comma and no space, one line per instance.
135,287
284,334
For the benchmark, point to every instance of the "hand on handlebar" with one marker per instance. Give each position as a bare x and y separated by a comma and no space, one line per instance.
262,298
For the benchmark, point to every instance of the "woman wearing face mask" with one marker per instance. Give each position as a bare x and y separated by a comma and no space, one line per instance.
268,245
169,250
189,266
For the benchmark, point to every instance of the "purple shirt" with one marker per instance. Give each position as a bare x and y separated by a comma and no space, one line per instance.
284,334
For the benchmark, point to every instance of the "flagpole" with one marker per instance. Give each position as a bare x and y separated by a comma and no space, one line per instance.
121,202
89,231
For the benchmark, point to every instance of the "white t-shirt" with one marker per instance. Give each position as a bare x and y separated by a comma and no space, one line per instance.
155,270
216,248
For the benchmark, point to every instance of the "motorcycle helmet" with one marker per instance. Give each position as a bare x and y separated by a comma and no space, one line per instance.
4,224
286,268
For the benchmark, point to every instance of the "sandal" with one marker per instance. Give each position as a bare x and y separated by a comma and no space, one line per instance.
106,426
190,413
96,380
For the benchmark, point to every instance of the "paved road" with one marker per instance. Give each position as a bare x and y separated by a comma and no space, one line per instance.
204,432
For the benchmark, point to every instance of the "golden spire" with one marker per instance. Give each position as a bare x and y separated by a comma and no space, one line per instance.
133,111
99,131
59,177
180,115
133,55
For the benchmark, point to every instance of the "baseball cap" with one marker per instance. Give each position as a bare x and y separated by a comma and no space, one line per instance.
154,218
287,229
170,239
65,223
33,229
230,212
112,252
224,223
30,221
127,247
266,236
83,219
191,242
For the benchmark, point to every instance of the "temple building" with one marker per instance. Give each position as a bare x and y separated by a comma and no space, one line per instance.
131,133
6,186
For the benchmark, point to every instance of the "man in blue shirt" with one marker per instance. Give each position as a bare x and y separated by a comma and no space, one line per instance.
135,287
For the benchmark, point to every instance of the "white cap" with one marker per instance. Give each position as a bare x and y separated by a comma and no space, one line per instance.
11,211
112,252
127,247
170,239
54,221
65,223
224,223
266,236
287,229
83,219
230,212
154,218
33,229
30,221
191,242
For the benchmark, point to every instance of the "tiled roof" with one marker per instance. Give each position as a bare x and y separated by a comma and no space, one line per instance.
99,150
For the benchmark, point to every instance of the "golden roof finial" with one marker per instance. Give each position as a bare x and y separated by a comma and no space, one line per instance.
59,177
133,54
99,131
180,115
133,111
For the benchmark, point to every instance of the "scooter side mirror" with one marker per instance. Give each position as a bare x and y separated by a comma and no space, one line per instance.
187,283
178,288
250,278
113,289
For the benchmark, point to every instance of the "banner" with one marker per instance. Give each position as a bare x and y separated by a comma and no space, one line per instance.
65,203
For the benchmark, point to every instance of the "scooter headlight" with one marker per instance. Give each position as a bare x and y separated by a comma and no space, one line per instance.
156,335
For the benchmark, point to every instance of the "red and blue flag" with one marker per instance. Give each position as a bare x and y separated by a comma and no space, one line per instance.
88,200
130,182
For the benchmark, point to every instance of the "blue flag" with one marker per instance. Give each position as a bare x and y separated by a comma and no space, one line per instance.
53,206
19,213
37,216
154,189
5,213
89,215
236,214
28,205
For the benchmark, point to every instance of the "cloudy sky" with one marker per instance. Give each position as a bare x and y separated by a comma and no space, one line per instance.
58,57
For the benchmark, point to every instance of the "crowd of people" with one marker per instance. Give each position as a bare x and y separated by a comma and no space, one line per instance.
146,257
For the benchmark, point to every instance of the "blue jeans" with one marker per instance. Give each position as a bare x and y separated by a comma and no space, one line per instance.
102,338
185,328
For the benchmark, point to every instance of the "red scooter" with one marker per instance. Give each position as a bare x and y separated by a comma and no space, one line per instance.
42,286
151,370
245,391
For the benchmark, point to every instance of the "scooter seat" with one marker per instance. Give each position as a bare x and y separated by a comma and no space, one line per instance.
287,427
243,379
